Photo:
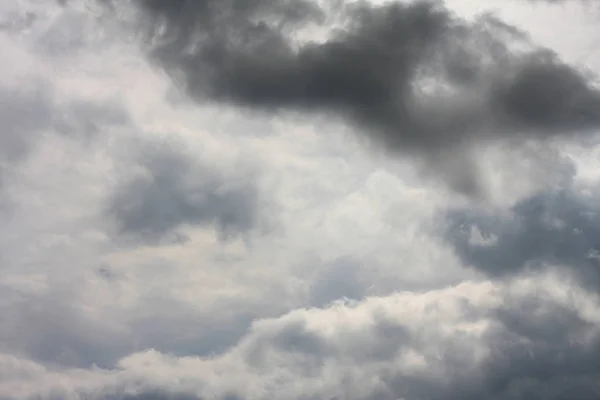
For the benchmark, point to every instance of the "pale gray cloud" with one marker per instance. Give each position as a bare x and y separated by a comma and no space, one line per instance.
339,279
34,110
54,328
174,191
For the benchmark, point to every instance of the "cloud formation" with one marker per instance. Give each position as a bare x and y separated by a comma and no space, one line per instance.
34,109
413,77
467,342
559,228
173,190
118,276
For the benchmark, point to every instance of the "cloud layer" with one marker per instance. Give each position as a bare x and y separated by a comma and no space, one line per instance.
195,205
470,341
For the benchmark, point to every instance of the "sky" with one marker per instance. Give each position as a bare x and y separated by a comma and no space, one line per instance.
299,200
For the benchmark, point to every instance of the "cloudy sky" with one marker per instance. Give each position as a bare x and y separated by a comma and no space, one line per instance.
299,200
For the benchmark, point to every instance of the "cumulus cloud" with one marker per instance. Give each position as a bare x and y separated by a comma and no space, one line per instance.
470,341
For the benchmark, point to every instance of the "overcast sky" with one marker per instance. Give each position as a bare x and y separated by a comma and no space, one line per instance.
299,200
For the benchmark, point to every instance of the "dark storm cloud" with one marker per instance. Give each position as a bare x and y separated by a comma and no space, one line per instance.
174,192
372,72
555,227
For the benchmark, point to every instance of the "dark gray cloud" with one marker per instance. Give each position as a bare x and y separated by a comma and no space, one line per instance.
174,191
555,227
536,353
373,72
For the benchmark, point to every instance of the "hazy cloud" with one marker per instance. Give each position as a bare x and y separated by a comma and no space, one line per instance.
34,110
337,280
53,328
173,190
24,114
